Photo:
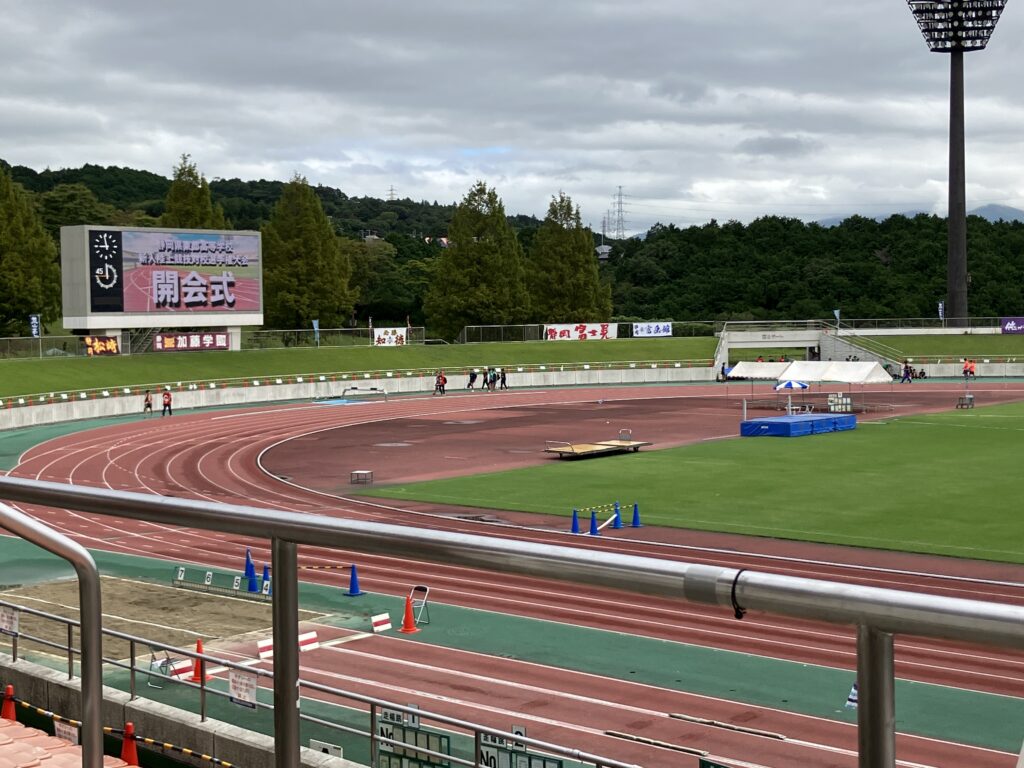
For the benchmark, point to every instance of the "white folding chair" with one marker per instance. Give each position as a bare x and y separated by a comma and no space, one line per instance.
419,595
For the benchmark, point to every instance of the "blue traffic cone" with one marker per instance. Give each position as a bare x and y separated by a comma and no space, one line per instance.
353,583
617,522
636,515
593,523
250,572
266,579
575,520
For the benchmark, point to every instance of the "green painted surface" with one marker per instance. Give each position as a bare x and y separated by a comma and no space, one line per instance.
914,483
947,713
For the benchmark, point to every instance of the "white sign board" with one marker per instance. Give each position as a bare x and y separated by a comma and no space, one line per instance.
65,731
325,748
581,331
389,337
242,688
9,620
649,330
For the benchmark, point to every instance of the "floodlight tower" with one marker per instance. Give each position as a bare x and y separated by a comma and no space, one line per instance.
953,27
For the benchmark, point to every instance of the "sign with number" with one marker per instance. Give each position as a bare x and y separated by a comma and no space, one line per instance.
236,583
181,574
208,579
242,688
499,752
9,620
405,729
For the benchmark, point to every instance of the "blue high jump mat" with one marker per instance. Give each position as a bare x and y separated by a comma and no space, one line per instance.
339,401
798,426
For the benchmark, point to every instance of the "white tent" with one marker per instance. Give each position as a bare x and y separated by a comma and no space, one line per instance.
758,371
836,371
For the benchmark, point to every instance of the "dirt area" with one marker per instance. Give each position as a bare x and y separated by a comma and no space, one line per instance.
166,614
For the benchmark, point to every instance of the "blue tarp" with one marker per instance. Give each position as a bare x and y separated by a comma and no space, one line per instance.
797,426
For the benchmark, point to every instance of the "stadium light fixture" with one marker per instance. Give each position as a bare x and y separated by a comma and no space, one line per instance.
953,27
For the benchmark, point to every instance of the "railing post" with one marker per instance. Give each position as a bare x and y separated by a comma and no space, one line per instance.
91,622
285,571
131,668
876,699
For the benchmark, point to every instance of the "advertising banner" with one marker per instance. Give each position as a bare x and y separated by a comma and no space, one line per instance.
34,326
96,346
580,331
389,337
650,330
1012,324
173,272
190,342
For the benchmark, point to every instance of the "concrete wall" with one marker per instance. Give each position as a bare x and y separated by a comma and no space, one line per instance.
53,691
269,390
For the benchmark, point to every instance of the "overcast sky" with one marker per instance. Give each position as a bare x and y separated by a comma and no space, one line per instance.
698,110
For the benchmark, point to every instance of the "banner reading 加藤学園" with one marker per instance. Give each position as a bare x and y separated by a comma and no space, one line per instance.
580,331
1012,324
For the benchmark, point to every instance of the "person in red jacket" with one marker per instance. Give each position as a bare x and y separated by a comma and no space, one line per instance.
167,404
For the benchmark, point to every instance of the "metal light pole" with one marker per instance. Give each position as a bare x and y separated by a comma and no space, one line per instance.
954,27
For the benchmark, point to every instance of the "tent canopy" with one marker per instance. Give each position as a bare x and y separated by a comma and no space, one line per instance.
836,371
813,372
758,371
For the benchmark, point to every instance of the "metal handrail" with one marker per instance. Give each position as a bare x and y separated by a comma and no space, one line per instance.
877,613
30,529
372,701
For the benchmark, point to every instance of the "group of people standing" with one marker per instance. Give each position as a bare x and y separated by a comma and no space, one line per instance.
147,404
970,370
493,378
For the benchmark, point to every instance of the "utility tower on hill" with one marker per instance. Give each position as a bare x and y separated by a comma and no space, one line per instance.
620,215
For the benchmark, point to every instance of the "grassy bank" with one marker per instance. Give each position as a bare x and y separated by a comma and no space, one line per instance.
22,377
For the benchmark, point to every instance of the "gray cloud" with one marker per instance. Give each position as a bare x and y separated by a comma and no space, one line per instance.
695,109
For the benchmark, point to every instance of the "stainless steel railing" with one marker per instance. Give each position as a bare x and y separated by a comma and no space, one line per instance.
877,613
375,706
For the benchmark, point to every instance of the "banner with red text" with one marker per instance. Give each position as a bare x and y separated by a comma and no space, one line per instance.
389,337
581,331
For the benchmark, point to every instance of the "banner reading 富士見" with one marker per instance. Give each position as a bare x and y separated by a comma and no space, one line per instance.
580,331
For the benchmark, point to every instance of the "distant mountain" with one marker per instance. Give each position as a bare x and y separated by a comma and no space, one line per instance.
994,212
991,212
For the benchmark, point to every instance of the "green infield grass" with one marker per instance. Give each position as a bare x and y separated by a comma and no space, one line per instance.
25,376
977,346
944,484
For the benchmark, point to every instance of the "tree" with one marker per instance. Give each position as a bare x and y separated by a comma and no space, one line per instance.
306,274
562,269
480,278
70,204
189,204
29,275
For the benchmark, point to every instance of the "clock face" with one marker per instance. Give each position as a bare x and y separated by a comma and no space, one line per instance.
106,267
105,245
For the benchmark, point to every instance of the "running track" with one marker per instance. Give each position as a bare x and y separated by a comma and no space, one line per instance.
214,456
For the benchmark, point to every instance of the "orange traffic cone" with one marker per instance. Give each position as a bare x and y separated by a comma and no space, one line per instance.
7,711
129,752
199,666
409,621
